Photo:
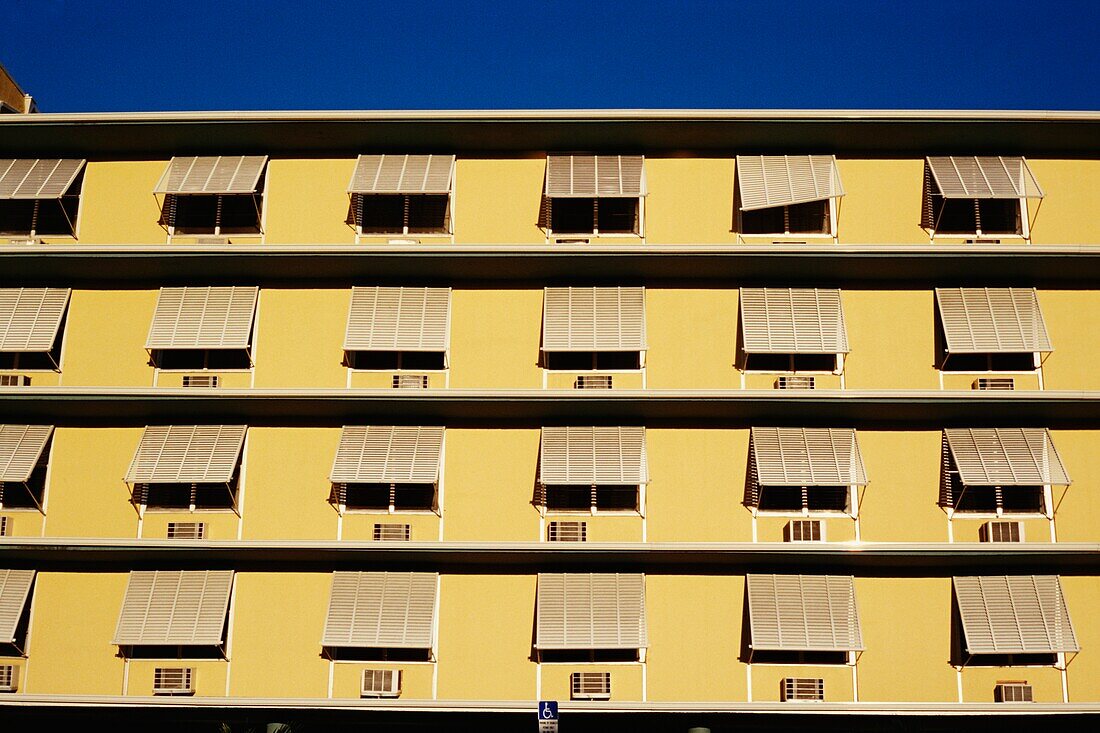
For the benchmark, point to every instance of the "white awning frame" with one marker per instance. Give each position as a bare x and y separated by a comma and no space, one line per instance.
42,179
595,176
769,181
403,174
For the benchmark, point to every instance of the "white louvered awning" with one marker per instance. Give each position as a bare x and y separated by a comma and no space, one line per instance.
1006,457
388,454
992,320
807,457
593,319
591,611
812,613
403,174
31,317
20,448
595,176
206,174
398,319
792,321
177,607
381,610
984,177
203,318
1014,614
171,454
765,181
37,178
588,456
15,588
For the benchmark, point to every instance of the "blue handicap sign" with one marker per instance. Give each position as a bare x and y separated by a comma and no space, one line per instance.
548,710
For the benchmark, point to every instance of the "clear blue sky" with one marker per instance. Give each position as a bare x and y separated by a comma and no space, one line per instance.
103,56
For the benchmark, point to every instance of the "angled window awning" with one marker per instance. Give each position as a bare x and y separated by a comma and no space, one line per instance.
37,178
807,457
992,320
15,588
595,176
21,447
398,319
388,454
792,321
591,611
588,456
171,454
381,610
764,181
31,317
1006,457
1014,614
203,318
177,607
983,177
404,174
811,613
593,319
206,174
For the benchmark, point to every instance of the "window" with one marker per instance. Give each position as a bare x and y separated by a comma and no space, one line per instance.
803,470
802,619
978,195
203,328
387,468
32,324
24,454
594,195
791,330
174,614
398,328
990,329
187,467
590,617
784,195
39,197
586,329
213,195
383,616
15,589
592,469
402,194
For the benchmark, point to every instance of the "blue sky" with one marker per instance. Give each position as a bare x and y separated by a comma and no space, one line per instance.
108,56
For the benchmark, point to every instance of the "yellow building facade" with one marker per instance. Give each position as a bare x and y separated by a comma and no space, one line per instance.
391,418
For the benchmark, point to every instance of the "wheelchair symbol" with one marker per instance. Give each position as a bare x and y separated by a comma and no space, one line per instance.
548,710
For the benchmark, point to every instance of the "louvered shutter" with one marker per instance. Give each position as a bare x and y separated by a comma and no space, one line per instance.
388,454
177,607
1014,614
37,178
381,610
594,319
403,174
588,456
992,320
1006,457
203,318
31,317
765,181
807,457
803,613
212,175
983,177
591,611
792,321
398,319
595,176
21,447
187,454
15,588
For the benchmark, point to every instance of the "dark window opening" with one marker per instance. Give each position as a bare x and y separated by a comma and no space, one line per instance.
40,217
790,362
1011,660
400,214
31,494
197,359
171,651
392,360
582,361
1008,499
236,213
42,361
379,497
184,495
378,654
799,498
594,215
806,218
17,646
970,216
588,655
604,498
1016,362
799,657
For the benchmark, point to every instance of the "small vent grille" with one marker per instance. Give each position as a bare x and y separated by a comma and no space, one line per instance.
1001,532
590,685
410,381
207,239
804,530
381,683
1012,692
794,383
392,532
593,381
9,678
567,532
983,241
14,380
3,526
173,681
810,689
994,383
186,530
205,380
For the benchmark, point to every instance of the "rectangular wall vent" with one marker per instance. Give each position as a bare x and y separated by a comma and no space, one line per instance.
410,381
994,383
203,380
590,685
392,532
9,678
808,689
794,383
186,530
593,381
3,526
983,241
1001,532
14,380
209,239
381,683
1012,692
567,532
804,530
173,681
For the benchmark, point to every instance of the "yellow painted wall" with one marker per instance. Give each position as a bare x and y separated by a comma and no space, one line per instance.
117,204
882,202
307,201
690,200
692,339
497,200
495,338
86,496
105,338
300,338
1070,198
